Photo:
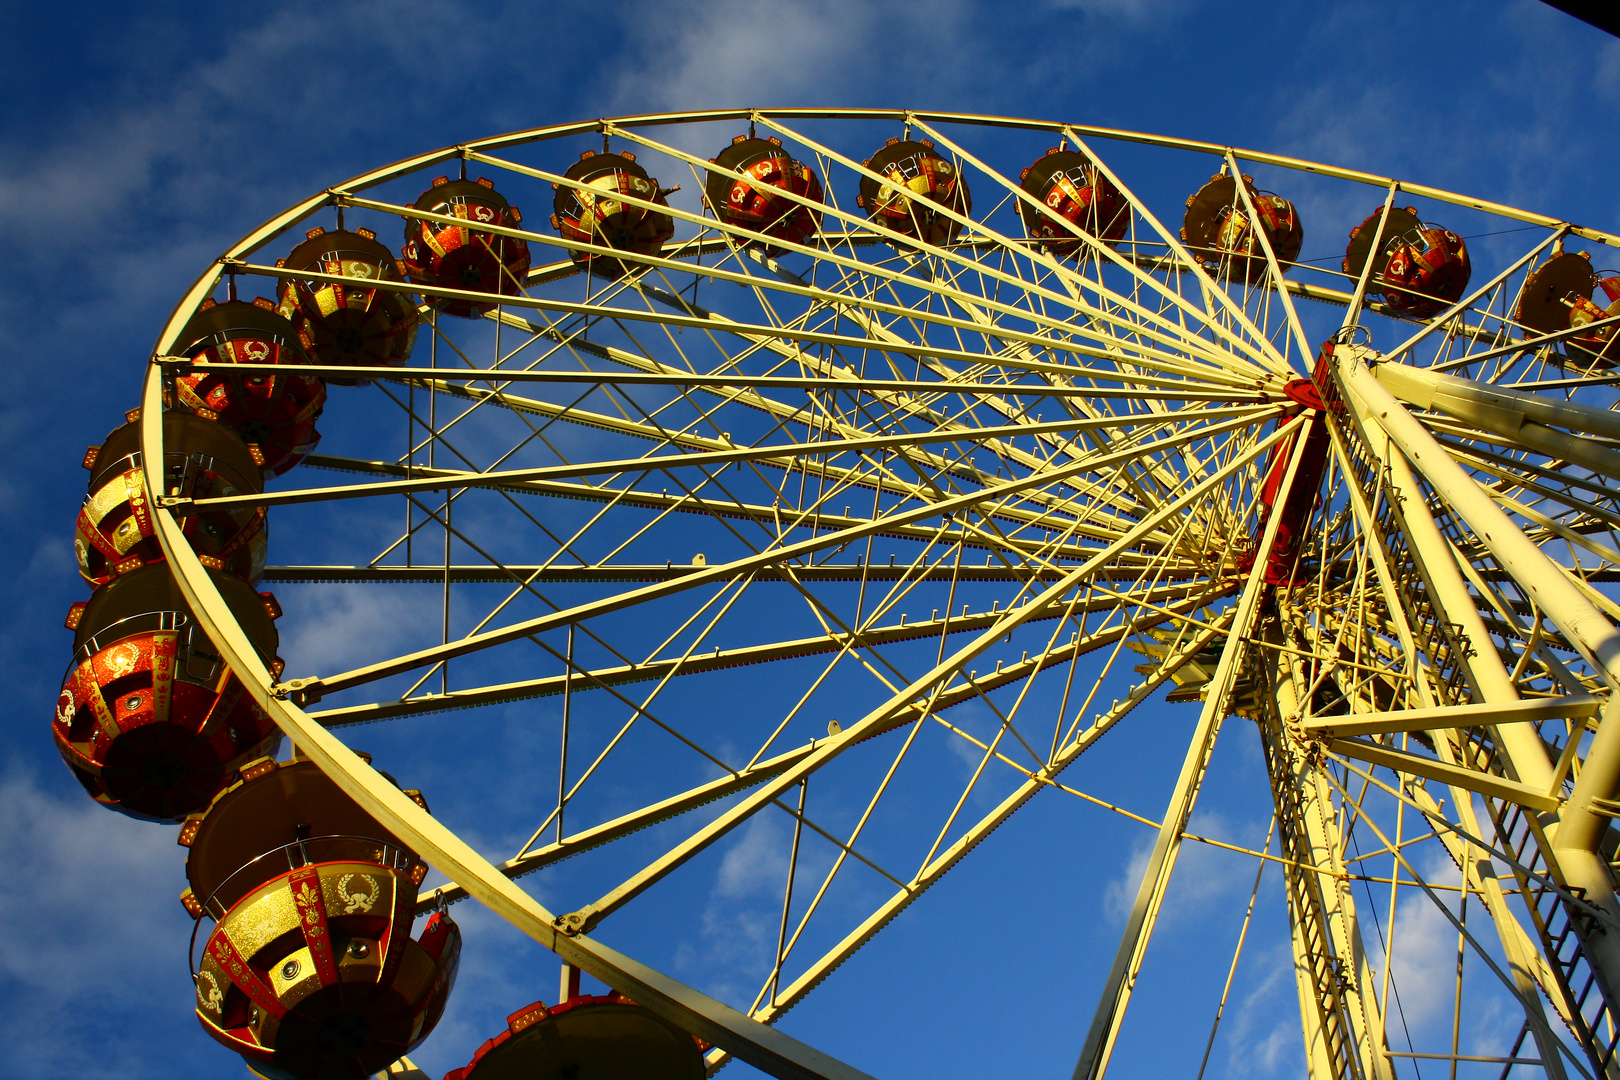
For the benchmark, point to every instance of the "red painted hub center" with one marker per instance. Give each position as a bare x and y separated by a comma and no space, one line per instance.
1303,392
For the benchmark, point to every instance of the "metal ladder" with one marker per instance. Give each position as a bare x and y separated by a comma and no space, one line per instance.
1305,902
1594,1021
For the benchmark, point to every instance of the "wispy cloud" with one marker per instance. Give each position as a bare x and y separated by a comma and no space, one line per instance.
341,627
1261,1034
756,864
1202,873
94,965
715,55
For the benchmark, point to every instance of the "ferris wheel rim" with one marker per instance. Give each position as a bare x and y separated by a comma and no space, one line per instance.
279,223
744,1037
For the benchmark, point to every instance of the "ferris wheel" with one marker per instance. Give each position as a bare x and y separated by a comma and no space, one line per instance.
867,473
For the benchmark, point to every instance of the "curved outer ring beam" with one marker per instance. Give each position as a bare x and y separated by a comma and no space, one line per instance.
281,222
763,1047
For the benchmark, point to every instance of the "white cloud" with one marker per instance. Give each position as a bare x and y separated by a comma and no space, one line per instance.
756,863
736,944
332,629
1261,1035
1134,11
93,971
177,136
725,54
1424,962
1202,872
98,937
83,880
1120,893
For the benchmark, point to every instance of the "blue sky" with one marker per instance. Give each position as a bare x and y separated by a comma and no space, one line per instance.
137,141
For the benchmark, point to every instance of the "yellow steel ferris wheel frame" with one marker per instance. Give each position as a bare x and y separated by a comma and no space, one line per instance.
1377,400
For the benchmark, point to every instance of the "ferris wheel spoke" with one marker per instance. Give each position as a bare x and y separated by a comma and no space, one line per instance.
1165,477
1047,327
900,406
932,869
451,496
1539,347
1117,990
772,1005
537,858
996,401
918,695
1591,519
1160,603
1168,296
734,454
864,268
1352,315
661,501
1054,341
1085,407
1253,339
737,387
1118,313
1024,459
725,508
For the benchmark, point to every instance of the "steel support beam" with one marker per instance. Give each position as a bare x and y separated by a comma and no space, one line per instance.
1531,972
945,860
916,697
727,571
1531,710
1481,783
1526,419
1121,982
1583,821
1342,1026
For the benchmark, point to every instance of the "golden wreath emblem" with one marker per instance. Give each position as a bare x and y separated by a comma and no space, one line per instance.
214,999
121,659
360,901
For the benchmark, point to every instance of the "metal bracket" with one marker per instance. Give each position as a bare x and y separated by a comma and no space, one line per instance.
1606,807
300,692
575,922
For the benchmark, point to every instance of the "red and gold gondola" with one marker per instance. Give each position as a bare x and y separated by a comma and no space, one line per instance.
348,323
275,411
751,196
463,256
918,182
1220,231
310,971
595,214
1071,190
150,720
